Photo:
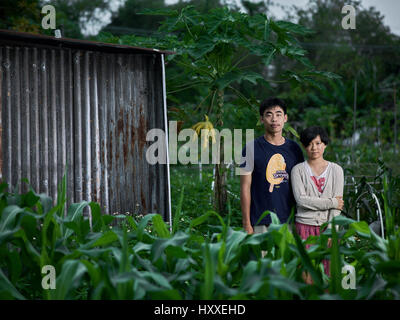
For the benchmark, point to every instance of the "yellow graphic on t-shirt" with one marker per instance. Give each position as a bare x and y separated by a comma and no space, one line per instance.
276,172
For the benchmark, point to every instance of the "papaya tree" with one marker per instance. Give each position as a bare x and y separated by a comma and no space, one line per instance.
213,51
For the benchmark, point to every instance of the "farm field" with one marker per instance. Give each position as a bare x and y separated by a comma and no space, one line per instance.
202,256
218,61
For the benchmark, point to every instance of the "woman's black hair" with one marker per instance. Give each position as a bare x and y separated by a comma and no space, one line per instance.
309,134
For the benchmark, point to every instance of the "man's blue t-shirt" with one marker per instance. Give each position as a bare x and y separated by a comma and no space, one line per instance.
270,185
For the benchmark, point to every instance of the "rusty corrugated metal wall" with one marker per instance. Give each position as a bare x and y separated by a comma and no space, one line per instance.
89,110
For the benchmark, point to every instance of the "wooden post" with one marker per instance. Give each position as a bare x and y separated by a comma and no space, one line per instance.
354,119
200,171
395,120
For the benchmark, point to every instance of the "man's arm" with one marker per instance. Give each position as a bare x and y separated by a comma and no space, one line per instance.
245,200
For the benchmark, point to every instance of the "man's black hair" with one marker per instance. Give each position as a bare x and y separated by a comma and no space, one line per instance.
309,134
270,103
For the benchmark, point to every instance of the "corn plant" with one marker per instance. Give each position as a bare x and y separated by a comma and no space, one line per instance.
125,257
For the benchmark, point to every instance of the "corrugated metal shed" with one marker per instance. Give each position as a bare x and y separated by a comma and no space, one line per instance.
86,106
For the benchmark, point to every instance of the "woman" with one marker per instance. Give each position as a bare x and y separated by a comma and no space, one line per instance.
317,187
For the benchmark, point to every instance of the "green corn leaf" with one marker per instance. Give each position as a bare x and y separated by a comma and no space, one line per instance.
140,246
7,286
159,279
178,212
94,253
93,271
378,284
35,256
234,241
265,213
132,223
284,241
222,267
274,218
61,195
199,220
142,225
173,294
97,221
29,224
160,227
284,284
29,199
9,217
6,235
159,245
49,218
15,265
335,267
75,210
45,204
209,272
107,219
389,267
124,263
307,261
176,252
361,228
251,280
105,239
68,279
254,239
3,186
341,220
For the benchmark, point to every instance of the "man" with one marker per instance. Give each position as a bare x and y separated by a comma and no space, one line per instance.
265,170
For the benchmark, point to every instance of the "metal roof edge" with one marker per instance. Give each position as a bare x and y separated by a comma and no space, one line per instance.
33,38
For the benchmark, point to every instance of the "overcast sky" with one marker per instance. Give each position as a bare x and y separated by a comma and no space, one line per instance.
390,9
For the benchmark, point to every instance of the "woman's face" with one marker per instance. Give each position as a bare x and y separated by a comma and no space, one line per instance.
315,149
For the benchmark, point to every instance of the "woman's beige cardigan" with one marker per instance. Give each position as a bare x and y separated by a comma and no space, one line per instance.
314,208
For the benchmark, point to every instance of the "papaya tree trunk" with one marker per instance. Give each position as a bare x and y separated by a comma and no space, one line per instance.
220,186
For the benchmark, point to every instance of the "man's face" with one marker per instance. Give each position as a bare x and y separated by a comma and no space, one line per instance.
274,119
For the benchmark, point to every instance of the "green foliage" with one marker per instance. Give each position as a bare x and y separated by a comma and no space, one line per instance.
21,15
212,51
211,61
366,58
206,256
